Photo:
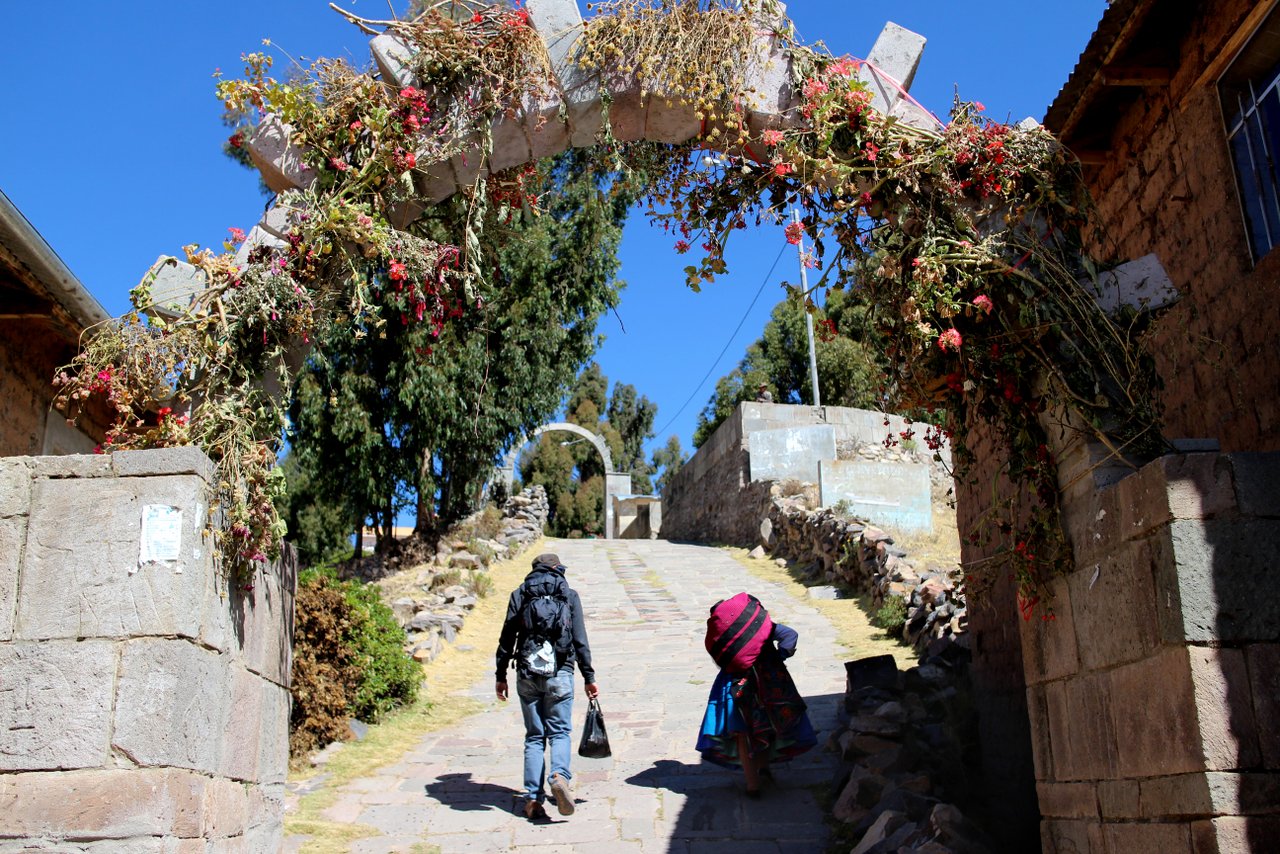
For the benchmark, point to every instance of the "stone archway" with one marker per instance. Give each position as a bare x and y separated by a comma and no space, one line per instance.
615,483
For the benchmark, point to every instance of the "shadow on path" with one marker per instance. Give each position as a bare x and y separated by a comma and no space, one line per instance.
460,792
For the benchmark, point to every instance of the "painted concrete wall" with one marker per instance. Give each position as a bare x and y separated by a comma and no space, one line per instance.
144,706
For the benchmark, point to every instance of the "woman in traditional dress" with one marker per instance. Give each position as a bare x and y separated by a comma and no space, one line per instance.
755,717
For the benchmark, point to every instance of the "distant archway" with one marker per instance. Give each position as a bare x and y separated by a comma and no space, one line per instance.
615,483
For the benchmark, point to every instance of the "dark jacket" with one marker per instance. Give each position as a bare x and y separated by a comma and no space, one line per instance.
509,641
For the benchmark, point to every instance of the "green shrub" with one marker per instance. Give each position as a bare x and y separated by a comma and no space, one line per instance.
448,578
480,584
348,659
892,615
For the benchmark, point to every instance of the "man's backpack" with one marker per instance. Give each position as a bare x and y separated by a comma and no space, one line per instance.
737,630
546,623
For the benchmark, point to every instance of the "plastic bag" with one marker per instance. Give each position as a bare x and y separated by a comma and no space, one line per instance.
595,740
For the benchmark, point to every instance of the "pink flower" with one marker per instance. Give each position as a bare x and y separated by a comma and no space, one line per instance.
873,151
781,169
340,165
409,93
356,125
983,303
795,233
813,87
237,236
979,106
411,123
772,137
396,271
845,66
950,340
682,246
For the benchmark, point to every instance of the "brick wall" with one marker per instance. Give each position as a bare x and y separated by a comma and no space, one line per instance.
1168,187
145,707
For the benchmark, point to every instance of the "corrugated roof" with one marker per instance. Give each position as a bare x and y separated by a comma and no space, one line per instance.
1116,23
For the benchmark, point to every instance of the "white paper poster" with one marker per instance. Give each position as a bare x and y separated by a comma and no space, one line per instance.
161,534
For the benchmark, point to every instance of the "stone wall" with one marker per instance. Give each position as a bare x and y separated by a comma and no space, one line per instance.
713,497
1153,695
1167,187
144,706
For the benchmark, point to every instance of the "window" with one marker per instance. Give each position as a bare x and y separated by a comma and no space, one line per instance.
1250,93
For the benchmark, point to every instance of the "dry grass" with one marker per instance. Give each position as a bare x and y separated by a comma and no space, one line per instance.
941,548
854,631
440,705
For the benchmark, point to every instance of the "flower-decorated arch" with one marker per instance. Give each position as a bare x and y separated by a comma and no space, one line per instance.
964,239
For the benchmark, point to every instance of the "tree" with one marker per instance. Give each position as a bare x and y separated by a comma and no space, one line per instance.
849,371
424,413
669,459
318,528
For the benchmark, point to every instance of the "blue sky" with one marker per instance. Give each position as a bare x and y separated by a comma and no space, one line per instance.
112,147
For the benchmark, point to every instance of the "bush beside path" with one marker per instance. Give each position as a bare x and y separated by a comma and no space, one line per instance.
646,601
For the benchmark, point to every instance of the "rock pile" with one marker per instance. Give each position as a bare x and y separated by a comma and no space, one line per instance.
864,558
903,749
443,592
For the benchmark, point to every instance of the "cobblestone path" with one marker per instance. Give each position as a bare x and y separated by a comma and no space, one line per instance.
646,604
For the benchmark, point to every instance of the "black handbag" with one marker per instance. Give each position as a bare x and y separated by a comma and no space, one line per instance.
595,740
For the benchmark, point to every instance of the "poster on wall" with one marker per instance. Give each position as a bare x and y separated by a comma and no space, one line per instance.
161,534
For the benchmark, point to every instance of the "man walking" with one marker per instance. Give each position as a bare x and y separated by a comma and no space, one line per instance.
545,635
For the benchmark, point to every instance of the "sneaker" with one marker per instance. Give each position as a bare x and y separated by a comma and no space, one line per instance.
534,811
560,791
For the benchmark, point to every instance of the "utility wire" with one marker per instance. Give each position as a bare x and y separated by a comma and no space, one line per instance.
736,329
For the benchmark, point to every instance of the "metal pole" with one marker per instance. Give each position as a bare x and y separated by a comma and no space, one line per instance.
808,317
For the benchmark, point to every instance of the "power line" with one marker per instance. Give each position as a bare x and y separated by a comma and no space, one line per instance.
711,369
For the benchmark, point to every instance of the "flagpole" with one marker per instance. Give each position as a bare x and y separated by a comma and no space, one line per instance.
808,316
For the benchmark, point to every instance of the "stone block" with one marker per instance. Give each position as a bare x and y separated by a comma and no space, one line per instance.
1263,662
84,580
1235,834
241,736
510,144
1173,838
264,619
72,466
1081,730
1210,794
1257,479
172,704
436,182
1113,607
392,56
226,808
1228,729
1049,648
1154,708
13,538
55,704
258,237
1207,579
103,804
273,742
174,284
1200,486
891,65
627,113
162,462
670,122
1076,836
283,165
1041,745
1067,800
15,486
1119,799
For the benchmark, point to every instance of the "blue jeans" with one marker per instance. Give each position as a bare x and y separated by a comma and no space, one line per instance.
547,705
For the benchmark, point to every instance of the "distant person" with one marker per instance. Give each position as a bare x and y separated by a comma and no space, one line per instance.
763,395
755,716
545,635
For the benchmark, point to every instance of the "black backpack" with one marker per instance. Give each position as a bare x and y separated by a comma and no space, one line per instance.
546,617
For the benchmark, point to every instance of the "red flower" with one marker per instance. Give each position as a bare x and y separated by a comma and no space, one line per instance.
795,233
236,140
356,125
409,93
477,18
873,151
983,303
164,412
682,246
781,169
396,271
950,340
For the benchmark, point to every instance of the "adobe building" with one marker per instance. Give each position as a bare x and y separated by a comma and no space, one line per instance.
43,312
1146,716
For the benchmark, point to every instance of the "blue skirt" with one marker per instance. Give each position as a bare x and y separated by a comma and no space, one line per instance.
771,715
